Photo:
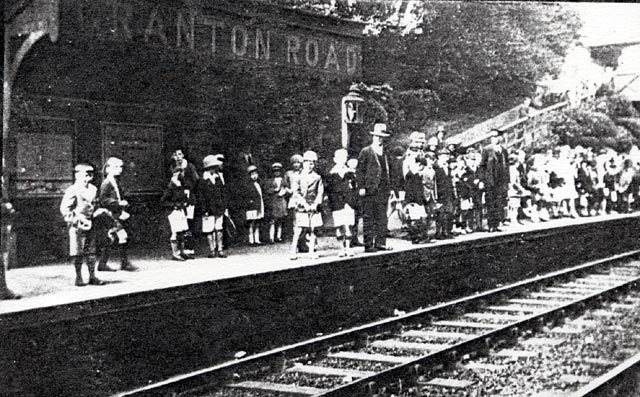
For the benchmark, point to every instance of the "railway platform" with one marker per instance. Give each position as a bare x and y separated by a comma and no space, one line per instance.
172,317
52,284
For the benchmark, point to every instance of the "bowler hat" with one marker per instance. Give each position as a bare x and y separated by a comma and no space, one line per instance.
211,161
379,129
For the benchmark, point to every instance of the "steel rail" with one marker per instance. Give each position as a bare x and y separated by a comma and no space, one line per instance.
224,373
607,384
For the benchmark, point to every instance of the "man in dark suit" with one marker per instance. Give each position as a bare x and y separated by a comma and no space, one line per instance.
495,175
372,176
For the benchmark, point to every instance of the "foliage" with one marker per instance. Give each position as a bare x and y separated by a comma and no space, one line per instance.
591,129
469,62
472,55
616,106
403,111
632,125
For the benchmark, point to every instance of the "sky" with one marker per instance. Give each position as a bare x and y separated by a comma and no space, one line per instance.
605,23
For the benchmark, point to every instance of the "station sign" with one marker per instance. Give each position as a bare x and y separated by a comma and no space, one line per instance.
220,34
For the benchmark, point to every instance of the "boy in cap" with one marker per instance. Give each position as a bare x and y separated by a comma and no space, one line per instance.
112,200
340,186
308,192
77,208
276,190
212,205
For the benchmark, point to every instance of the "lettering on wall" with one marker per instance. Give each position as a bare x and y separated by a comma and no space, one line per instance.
219,35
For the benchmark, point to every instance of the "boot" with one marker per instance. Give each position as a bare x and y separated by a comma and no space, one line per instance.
212,245
124,261
104,259
347,247
93,280
183,252
220,251
77,263
175,251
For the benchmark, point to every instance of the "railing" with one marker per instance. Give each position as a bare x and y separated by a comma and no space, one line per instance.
522,132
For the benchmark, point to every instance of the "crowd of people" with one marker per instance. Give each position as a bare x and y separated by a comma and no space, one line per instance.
435,189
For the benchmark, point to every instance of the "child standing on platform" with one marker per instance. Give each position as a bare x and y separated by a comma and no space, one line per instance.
117,218
176,199
308,192
254,205
415,199
77,208
276,190
340,189
211,193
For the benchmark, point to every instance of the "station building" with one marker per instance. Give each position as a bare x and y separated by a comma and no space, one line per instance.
137,79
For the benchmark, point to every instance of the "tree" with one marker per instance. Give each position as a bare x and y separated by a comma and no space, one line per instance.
474,54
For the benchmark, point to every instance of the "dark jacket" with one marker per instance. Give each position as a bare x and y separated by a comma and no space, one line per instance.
251,198
174,197
369,173
109,197
340,190
494,169
445,195
211,197
414,188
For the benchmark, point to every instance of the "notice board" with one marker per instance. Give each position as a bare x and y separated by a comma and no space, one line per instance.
45,153
139,146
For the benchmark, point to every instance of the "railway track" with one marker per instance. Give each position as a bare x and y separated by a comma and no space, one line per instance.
415,351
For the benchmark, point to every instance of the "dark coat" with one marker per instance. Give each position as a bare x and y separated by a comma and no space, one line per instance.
369,173
251,198
584,183
340,190
174,197
445,195
396,175
414,188
211,197
109,197
494,169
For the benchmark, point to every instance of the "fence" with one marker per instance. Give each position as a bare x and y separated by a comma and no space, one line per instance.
524,131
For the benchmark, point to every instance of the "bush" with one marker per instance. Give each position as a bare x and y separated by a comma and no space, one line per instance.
591,129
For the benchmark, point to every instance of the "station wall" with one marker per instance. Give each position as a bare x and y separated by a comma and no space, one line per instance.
98,92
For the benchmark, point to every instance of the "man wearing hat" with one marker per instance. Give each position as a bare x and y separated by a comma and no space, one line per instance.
211,193
494,172
372,176
77,208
